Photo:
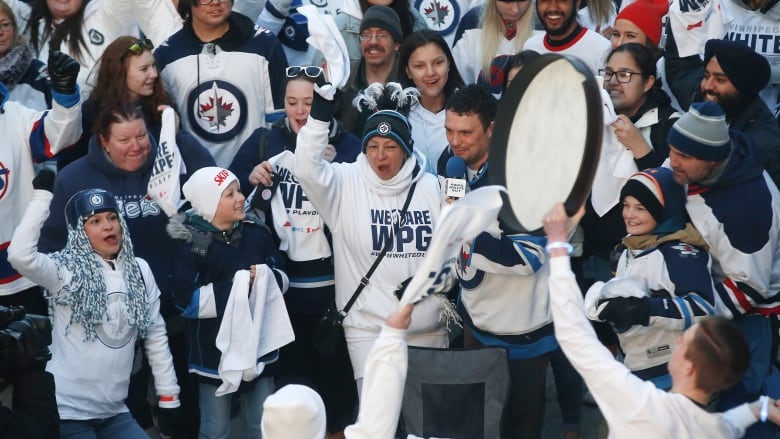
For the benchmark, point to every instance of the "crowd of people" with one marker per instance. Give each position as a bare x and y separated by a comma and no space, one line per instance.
185,192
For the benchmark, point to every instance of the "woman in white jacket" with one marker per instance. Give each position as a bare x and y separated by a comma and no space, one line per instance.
102,299
360,202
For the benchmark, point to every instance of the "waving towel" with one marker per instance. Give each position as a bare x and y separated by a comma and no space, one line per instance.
255,323
616,164
163,185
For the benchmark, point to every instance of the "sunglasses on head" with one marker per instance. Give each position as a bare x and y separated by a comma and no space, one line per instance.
313,72
139,47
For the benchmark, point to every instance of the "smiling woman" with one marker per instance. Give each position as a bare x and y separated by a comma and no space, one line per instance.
428,65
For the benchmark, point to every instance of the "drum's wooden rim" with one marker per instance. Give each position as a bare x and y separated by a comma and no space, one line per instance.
502,129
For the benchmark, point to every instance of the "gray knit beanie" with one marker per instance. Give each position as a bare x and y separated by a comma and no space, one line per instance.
384,18
702,132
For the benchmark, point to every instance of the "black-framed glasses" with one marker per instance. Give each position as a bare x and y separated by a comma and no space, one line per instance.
381,36
6,26
622,76
313,72
208,2
138,47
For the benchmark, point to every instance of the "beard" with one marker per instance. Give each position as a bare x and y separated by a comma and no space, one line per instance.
732,104
565,27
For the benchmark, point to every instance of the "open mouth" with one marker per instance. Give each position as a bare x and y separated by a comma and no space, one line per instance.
111,239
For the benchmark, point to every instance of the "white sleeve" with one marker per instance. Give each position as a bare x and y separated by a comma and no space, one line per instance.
156,340
23,252
62,126
383,387
158,19
739,419
617,391
465,58
319,179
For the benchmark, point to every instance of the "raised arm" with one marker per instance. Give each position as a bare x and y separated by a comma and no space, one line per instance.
23,252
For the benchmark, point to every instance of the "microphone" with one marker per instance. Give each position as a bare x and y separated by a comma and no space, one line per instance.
455,184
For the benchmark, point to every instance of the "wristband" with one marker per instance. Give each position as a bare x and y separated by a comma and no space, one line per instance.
560,244
168,402
763,413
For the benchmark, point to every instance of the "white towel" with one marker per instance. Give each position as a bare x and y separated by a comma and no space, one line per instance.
324,36
616,164
255,323
163,185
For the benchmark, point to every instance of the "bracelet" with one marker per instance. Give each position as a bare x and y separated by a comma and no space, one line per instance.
763,413
168,398
559,244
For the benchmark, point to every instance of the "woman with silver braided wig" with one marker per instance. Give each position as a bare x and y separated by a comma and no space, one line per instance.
102,299
84,291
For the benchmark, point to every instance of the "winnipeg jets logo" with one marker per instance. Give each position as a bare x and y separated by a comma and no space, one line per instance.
115,330
441,15
4,174
217,110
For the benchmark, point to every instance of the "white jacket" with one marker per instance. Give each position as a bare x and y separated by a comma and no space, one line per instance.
358,208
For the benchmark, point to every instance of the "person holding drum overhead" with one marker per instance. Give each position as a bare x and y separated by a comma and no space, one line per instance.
710,356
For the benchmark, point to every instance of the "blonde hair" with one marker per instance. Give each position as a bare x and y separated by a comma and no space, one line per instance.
601,12
492,26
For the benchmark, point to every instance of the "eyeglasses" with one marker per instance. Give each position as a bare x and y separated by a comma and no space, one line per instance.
623,76
6,26
208,2
365,36
313,72
139,47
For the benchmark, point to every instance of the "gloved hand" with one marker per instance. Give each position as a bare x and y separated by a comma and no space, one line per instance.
167,419
323,105
63,71
44,180
625,312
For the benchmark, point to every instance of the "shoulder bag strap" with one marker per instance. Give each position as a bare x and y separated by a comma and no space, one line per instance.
364,280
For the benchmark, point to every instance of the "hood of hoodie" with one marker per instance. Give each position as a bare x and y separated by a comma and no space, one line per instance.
745,162
241,29
101,161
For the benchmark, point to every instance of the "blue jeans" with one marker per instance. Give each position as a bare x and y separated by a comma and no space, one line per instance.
215,410
121,426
